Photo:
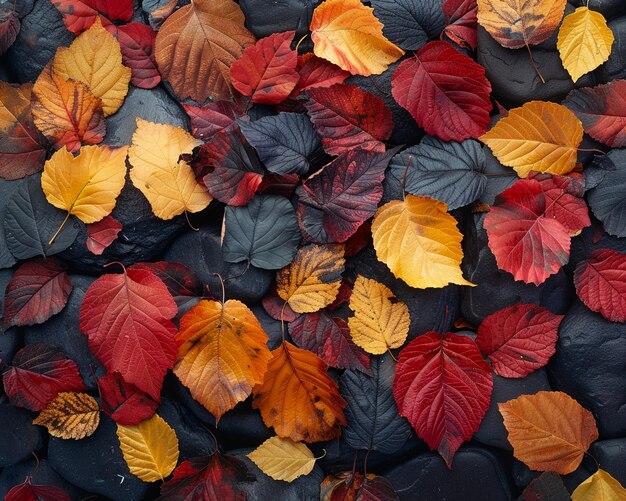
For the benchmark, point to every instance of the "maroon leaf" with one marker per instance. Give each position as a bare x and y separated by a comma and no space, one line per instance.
273,306
37,290
445,91
213,117
462,22
316,72
359,240
330,339
79,15
124,402
547,486
38,374
102,234
377,489
182,282
279,184
27,491
343,296
9,28
600,283
347,117
519,339
137,44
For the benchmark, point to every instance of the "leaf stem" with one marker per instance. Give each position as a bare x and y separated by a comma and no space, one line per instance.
67,216
282,320
406,170
532,61
300,41
189,222
592,150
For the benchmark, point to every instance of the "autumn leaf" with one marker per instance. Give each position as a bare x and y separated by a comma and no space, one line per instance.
600,486
312,280
316,73
283,459
9,27
297,398
419,241
102,233
124,402
584,41
539,136
196,46
182,283
27,491
549,431
95,59
380,322
346,33
79,15
70,415
223,354
137,45
461,20
351,486
212,117
150,448
166,181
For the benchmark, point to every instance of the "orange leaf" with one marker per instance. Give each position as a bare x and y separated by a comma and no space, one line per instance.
298,398
70,415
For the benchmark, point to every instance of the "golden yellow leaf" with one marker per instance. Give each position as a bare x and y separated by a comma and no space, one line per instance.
419,241
584,42
600,486
223,354
70,415
549,431
95,59
283,459
378,323
150,448
347,33
312,280
168,183
538,136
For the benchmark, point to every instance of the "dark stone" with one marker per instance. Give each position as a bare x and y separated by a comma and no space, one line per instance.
18,435
609,8
495,289
492,431
590,366
611,454
615,67
96,464
271,326
42,474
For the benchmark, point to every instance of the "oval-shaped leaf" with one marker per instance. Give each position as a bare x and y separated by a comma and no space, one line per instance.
283,459
70,415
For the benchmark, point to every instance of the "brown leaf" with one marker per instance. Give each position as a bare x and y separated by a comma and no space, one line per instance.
70,415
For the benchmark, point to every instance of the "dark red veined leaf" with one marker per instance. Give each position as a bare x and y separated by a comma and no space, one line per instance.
212,477
335,201
443,387
79,15
27,491
600,282
212,117
462,22
347,117
127,318
40,372
330,339
102,233
343,296
445,91
279,184
9,28
315,72
123,401
349,486
519,339
377,489
237,172
137,44
267,69
602,111
273,306
37,290
359,240
547,486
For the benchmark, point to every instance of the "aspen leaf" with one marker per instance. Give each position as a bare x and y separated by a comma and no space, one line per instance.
584,42
166,181
549,431
283,459
378,323
95,59
347,33
150,448
539,136
311,282
600,486
419,241
70,415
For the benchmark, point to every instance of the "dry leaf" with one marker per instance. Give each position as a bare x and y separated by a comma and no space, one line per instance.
283,459
600,486
70,415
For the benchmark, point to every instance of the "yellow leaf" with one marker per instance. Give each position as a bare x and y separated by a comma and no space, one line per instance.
283,459
150,448
584,42
223,354
419,241
600,486
538,136
95,59
347,33
168,183
70,415
378,324
312,280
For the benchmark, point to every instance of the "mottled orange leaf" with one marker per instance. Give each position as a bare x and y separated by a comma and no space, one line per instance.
70,415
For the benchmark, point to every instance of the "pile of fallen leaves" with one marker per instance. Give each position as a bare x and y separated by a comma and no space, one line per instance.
302,188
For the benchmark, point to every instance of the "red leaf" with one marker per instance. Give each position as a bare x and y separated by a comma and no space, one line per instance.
343,296
179,280
359,240
279,184
273,306
347,117
123,401
127,319
137,44
102,234
79,15
316,72
9,28
445,91
27,491
600,283
211,118
519,339
38,374
330,339
37,290
443,387
267,69
462,22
